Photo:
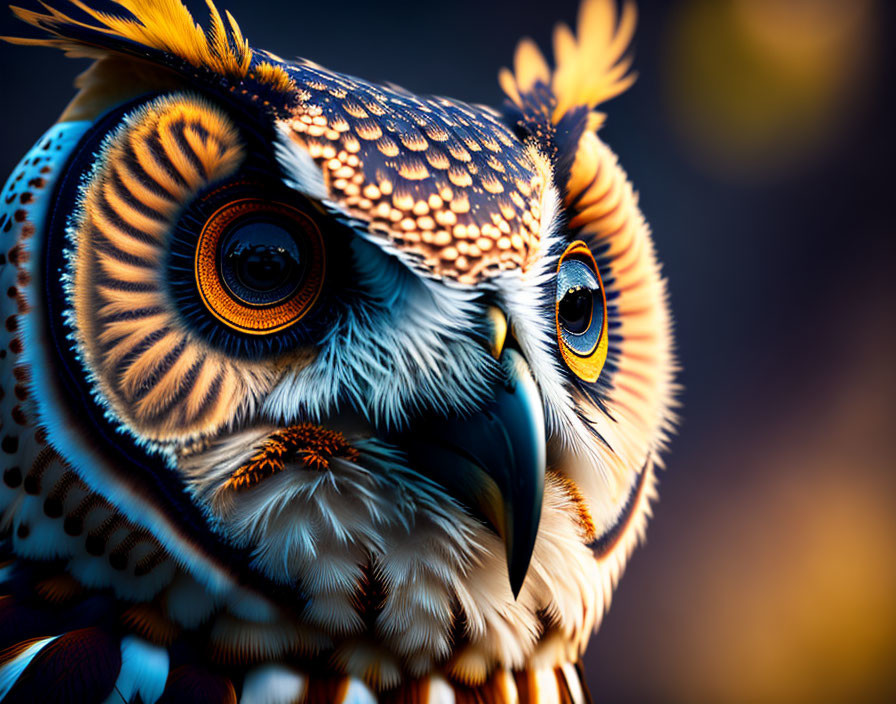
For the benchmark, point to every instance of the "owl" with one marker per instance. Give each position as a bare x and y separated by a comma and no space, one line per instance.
316,390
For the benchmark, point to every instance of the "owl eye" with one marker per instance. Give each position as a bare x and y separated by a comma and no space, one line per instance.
581,312
259,265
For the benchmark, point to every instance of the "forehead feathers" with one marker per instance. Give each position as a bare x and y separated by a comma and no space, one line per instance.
444,184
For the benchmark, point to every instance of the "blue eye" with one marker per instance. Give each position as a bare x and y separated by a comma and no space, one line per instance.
580,311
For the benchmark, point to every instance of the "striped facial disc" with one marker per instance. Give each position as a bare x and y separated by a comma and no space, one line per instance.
161,379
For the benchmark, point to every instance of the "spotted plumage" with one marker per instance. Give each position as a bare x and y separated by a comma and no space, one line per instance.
444,183
314,390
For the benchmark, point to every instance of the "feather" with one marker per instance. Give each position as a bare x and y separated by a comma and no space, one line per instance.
300,171
188,684
79,666
357,693
273,684
144,670
161,26
16,659
590,68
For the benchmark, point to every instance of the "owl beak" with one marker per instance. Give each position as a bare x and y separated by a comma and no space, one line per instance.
494,461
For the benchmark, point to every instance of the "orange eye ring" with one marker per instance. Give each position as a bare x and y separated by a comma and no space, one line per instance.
235,313
586,363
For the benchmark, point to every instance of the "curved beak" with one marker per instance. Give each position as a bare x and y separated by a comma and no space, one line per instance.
493,461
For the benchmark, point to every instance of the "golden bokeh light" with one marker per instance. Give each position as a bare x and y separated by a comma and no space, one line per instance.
757,87
779,583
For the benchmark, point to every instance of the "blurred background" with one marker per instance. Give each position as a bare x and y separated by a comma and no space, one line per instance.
760,136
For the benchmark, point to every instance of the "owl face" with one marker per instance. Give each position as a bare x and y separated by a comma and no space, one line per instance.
303,329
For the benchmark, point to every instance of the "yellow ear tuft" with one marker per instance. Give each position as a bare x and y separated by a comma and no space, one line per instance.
165,26
590,68
529,65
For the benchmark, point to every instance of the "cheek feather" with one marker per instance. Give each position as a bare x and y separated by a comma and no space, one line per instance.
401,348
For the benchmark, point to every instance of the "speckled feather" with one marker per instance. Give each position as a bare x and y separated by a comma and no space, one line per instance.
444,182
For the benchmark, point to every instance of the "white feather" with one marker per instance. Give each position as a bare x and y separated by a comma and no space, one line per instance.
299,170
439,691
273,684
402,347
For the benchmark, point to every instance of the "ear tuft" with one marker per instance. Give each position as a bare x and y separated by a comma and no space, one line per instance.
162,29
590,68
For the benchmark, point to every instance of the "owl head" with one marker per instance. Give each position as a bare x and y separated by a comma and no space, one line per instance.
363,369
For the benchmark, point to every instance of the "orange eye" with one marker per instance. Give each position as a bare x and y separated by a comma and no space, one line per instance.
259,265
581,312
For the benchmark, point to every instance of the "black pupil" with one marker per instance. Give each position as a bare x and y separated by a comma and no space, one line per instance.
575,309
262,267
261,262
